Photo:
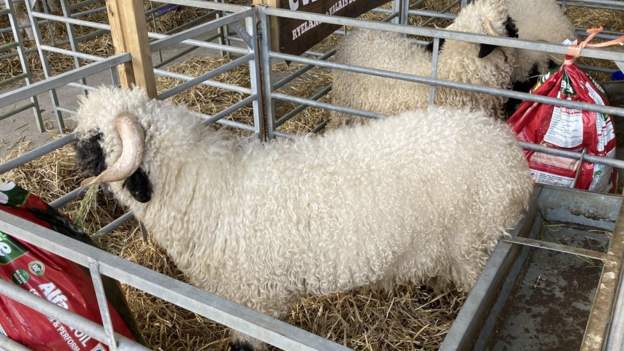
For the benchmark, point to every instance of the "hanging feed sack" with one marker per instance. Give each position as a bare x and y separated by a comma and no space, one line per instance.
53,278
585,132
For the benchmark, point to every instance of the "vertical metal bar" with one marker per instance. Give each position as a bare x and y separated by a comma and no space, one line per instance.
17,36
45,65
404,12
260,69
100,294
114,77
434,69
223,32
153,19
71,38
396,9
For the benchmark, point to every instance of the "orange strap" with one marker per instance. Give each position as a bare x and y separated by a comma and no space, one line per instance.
575,51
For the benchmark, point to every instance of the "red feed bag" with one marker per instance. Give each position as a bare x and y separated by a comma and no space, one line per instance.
587,132
54,278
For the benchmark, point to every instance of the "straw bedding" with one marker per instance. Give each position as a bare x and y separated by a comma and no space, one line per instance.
410,317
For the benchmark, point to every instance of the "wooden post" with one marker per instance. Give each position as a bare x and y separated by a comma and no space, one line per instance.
129,33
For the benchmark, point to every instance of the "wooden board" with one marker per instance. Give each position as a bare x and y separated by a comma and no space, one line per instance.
292,36
129,32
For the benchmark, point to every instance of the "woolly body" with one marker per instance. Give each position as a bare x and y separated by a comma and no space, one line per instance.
537,20
458,61
423,194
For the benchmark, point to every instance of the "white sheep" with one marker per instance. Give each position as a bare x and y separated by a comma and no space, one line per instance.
538,20
458,61
424,194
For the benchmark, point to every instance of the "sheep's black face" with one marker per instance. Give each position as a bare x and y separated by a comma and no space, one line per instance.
512,32
89,155
90,159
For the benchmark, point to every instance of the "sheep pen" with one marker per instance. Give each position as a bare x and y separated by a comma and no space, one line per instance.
411,317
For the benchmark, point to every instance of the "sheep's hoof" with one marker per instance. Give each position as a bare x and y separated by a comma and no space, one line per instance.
240,346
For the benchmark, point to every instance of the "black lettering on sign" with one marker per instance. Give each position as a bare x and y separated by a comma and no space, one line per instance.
292,36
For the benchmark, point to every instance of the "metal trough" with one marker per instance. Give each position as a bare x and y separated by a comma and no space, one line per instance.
554,284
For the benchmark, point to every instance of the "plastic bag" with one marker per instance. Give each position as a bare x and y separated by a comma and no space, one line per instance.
54,278
587,132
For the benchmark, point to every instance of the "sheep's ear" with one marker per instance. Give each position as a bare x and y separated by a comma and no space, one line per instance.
510,27
139,186
486,49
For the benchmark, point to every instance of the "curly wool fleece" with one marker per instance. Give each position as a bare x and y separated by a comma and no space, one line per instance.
423,194
458,61
537,20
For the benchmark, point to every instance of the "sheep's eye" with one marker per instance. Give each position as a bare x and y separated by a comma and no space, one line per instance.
90,156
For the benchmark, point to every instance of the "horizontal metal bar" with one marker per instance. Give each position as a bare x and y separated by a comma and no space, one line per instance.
8,46
574,155
70,20
37,152
13,79
210,83
284,135
301,71
72,53
64,109
110,227
610,6
290,114
67,198
82,86
192,23
231,109
88,12
218,71
539,244
422,13
61,79
151,35
198,30
455,85
210,5
71,319
442,33
175,57
313,103
203,44
237,317
15,111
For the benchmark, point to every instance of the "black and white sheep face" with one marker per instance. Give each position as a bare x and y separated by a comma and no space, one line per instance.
91,160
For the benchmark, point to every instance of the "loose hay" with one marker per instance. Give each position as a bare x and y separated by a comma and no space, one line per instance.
409,317
210,100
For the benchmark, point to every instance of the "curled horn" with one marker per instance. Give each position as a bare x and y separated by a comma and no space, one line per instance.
132,146
489,27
